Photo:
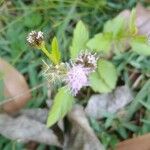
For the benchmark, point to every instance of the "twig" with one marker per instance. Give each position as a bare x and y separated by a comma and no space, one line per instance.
24,93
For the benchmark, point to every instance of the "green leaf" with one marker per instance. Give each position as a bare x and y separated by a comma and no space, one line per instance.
108,122
55,53
100,42
140,45
130,126
104,80
115,26
97,83
63,102
123,132
132,23
80,38
108,73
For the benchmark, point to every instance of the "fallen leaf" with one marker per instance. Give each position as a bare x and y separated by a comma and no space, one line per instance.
81,135
16,89
28,126
142,18
111,103
138,143
38,114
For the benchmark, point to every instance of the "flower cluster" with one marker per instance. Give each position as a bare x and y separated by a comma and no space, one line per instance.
87,60
35,38
75,74
76,78
55,73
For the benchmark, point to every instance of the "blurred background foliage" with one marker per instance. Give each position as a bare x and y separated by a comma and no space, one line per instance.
53,17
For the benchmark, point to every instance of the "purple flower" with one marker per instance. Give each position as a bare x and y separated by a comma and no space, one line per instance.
77,78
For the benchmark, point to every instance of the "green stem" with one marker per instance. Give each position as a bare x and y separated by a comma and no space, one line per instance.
45,51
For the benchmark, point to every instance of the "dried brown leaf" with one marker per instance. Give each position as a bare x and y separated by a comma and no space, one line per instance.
28,127
38,114
138,143
15,88
142,18
81,136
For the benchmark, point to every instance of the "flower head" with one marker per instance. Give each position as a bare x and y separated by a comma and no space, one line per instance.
55,73
87,60
76,78
35,38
